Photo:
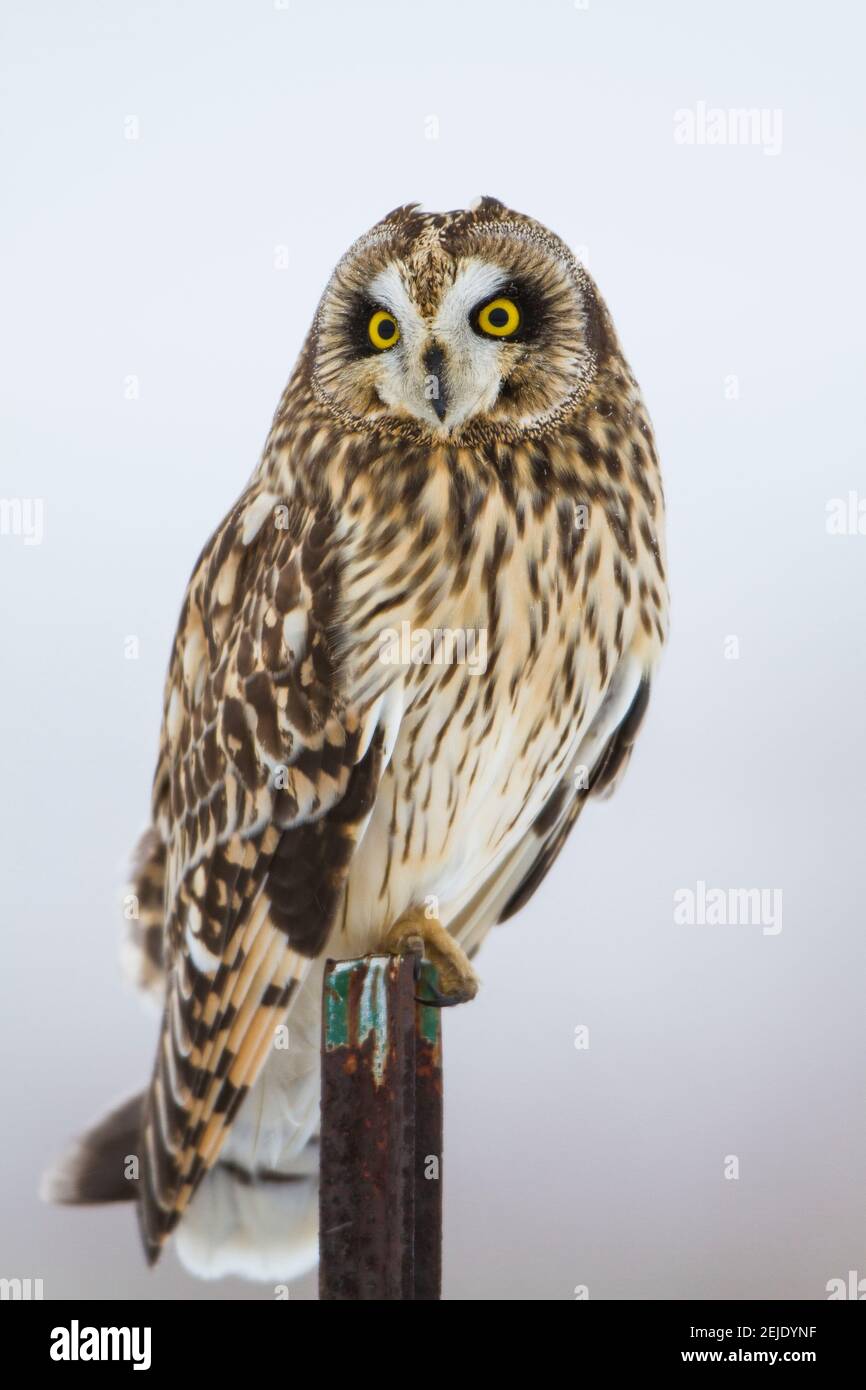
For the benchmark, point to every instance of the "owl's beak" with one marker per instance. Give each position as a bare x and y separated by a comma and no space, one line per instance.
435,390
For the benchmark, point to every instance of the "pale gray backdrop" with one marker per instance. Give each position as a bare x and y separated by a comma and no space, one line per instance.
149,267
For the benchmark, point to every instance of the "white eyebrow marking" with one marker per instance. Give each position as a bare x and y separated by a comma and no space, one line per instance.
387,288
476,281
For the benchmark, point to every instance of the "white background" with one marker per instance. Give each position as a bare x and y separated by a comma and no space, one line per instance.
298,127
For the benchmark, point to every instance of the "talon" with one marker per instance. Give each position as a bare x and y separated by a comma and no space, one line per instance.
440,1000
416,933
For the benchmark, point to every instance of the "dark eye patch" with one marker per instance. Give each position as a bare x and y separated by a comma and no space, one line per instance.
527,301
357,323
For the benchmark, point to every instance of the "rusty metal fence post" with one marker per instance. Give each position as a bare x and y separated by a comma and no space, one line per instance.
380,1204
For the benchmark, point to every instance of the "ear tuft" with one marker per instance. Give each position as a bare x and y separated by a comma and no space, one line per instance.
487,207
404,213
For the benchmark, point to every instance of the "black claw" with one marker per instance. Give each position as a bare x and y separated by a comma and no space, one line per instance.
439,1000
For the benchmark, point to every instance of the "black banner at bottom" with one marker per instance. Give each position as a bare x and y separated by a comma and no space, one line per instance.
64,1338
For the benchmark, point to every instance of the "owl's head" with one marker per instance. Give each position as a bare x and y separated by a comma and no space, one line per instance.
458,325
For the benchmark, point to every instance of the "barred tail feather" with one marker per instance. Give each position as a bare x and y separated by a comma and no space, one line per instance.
97,1167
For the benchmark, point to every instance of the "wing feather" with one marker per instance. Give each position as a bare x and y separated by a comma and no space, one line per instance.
553,826
266,779
605,751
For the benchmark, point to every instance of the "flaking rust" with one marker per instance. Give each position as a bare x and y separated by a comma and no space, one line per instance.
381,1153
428,1146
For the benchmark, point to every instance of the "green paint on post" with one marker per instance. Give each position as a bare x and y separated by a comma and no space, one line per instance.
337,1004
429,1019
356,1006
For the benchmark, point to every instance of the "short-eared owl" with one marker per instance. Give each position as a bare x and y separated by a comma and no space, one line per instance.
422,638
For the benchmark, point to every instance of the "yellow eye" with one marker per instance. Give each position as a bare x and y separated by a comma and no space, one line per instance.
500,318
383,329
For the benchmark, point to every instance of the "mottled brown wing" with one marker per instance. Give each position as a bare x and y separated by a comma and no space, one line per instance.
604,751
266,778
553,826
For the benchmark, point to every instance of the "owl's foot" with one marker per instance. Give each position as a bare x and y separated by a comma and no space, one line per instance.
415,932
